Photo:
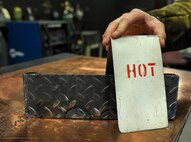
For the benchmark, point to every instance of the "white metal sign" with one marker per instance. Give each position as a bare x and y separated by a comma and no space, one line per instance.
139,81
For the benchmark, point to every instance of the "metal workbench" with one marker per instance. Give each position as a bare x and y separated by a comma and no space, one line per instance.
14,126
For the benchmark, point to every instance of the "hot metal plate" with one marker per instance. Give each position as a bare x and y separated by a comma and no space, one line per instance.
80,96
70,96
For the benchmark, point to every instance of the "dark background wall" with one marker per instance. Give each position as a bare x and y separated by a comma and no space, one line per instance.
98,13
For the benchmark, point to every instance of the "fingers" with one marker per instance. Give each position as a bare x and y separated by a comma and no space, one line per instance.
158,29
134,22
122,26
162,38
127,20
110,29
118,27
143,24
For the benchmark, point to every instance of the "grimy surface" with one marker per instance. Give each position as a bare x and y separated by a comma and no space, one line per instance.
14,126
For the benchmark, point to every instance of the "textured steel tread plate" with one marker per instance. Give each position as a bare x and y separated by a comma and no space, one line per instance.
80,96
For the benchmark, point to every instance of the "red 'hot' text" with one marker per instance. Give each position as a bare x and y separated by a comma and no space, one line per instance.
141,70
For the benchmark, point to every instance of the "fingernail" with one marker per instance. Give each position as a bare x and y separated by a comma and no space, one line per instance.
104,40
162,42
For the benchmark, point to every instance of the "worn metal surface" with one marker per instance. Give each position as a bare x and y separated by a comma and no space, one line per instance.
70,96
15,127
171,86
81,96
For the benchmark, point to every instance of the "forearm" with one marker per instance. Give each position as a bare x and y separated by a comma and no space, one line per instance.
177,20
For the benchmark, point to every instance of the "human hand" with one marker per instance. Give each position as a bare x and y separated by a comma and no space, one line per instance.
136,22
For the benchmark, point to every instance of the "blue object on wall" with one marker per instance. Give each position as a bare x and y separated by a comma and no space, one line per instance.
24,41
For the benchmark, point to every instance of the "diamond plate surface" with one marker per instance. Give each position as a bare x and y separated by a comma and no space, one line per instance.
171,85
70,96
80,96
